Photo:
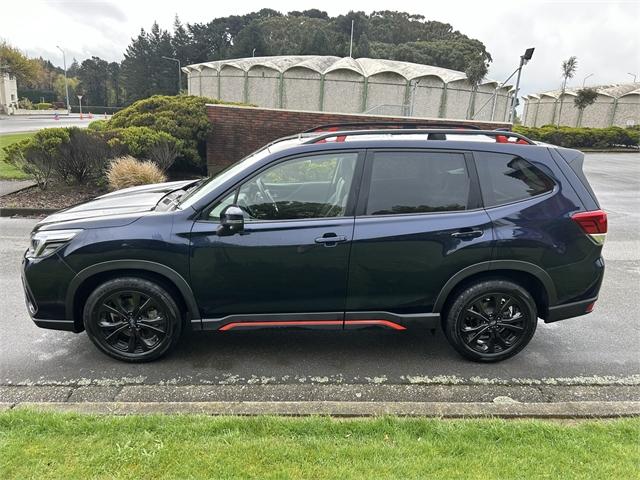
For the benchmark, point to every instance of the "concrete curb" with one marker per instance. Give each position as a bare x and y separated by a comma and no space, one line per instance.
561,410
26,212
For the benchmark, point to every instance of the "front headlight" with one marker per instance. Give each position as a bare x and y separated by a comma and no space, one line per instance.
46,243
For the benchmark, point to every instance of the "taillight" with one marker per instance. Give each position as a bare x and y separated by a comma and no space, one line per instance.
593,223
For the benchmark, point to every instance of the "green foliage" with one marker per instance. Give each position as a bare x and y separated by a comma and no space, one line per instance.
69,154
585,97
40,155
98,125
182,117
145,142
601,138
43,106
8,171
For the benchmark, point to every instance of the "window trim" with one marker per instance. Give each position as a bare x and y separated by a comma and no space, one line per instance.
550,193
474,198
203,216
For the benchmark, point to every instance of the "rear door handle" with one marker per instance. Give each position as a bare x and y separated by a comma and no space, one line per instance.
467,233
330,239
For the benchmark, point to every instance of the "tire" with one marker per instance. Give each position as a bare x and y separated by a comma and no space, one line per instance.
132,319
491,320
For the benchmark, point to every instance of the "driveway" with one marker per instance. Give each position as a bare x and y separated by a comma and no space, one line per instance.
599,348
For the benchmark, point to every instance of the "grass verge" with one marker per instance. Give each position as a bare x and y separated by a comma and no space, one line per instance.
68,446
9,172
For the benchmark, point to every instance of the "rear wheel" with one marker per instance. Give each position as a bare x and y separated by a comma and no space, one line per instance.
132,319
491,320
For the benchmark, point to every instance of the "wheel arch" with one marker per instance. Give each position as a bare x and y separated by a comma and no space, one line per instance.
89,278
527,274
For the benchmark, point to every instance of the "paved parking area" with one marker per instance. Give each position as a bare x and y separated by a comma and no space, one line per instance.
602,348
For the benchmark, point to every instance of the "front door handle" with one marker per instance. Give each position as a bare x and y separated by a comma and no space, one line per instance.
330,239
467,233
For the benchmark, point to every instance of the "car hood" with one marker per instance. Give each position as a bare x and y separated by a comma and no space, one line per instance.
121,205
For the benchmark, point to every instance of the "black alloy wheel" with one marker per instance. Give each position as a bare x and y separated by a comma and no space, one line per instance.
132,319
491,321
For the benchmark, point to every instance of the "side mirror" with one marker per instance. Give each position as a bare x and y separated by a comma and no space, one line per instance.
231,220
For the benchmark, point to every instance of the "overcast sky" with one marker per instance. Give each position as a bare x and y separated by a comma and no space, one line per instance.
604,35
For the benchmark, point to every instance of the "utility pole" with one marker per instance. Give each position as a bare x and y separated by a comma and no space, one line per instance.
585,79
524,59
66,83
634,76
179,71
351,42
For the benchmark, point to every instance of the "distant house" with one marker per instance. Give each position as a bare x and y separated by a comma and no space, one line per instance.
8,92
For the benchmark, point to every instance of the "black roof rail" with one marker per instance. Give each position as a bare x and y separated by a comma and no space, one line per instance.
499,135
330,127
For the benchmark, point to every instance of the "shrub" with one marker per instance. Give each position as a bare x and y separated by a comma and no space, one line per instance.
144,142
183,117
39,156
126,172
582,137
98,125
43,106
70,154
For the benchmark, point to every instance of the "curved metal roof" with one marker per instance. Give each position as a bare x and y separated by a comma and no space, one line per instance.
325,64
615,91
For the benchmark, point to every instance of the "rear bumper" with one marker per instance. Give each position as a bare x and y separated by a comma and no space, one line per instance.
570,310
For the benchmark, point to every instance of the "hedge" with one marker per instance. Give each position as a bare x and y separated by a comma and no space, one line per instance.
582,137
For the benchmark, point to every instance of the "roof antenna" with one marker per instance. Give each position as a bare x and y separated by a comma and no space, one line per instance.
351,42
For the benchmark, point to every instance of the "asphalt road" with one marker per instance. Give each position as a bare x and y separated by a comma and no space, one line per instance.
32,123
603,347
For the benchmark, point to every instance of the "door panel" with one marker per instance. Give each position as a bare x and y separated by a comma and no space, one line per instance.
400,263
273,267
418,224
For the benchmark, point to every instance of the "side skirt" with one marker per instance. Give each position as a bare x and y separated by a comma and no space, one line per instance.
320,320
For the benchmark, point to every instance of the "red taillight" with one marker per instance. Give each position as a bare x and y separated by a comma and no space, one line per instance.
593,223
590,307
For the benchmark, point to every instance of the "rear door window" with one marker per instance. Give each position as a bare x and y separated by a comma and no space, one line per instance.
417,182
508,178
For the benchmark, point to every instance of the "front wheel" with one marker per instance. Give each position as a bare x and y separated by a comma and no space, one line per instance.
132,319
491,320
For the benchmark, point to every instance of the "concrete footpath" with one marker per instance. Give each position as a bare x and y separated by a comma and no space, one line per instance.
448,401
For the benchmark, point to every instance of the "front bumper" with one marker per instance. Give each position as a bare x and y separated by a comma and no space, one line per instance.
45,283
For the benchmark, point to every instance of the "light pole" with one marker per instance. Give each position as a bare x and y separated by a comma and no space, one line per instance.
179,71
66,83
524,59
634,76
585,79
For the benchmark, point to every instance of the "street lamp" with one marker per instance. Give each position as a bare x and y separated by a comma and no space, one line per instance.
633,75
66,83
524,59
585,79
179,71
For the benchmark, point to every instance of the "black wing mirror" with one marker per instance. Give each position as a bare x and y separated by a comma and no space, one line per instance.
231,220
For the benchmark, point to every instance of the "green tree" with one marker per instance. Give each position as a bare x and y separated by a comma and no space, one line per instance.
584,98
93,75
569,67
317,44
15,63
363,48
250,41
475,73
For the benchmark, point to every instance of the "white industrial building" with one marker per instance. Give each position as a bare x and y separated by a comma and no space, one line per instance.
347,85
615,105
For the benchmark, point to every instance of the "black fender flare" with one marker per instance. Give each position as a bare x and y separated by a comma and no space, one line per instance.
515,265
145,265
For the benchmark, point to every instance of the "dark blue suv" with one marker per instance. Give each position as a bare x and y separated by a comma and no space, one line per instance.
481,232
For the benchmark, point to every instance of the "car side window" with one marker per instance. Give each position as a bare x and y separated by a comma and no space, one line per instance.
508,178
316,186
417,182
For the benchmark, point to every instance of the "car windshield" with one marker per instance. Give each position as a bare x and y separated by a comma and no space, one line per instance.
202,189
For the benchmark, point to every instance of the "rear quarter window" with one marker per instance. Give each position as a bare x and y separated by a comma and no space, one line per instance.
508,178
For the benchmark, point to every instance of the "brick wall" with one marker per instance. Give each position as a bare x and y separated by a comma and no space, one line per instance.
238,131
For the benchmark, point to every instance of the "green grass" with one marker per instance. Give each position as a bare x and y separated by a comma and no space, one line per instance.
9,172
66,446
